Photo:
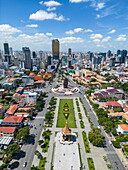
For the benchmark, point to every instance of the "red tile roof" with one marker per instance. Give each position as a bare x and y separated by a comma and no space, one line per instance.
112,103
7,129
24,108
38,78
12,109
13,119
124,127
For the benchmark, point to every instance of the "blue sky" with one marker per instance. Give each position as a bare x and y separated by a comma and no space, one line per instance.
83,25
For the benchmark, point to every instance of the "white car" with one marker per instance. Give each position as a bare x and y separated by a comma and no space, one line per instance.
24,165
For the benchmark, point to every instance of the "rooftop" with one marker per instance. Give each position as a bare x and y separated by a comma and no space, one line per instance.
7,129
124,127
13,119
12,109
112,103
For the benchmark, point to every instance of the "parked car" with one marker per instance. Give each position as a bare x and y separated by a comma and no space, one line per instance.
24,165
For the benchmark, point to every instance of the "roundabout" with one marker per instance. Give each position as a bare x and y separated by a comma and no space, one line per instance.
65,89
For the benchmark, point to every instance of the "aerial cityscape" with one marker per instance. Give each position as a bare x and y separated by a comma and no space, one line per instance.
63,85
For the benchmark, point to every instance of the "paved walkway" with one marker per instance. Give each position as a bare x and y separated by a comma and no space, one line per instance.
52,141
97,153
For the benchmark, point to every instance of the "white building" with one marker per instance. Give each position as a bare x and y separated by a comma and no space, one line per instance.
31,97
122,128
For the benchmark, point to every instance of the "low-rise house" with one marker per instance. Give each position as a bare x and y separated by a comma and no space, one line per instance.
12,109
115,93
27,79
122,129
39,83
12,121
119,114
16,97
22,103
37,78
20,90
113,105
24,114
7,131
24,109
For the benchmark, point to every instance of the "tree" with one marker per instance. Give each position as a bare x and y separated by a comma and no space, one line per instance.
97,141
41,142
34,168
3,166
7,159
12,149
95,137
23,133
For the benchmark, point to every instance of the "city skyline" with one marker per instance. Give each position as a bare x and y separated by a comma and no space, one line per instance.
82,25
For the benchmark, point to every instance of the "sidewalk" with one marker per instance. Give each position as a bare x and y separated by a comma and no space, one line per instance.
97,153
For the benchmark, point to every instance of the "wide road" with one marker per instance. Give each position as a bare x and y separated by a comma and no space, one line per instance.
110,151
37,124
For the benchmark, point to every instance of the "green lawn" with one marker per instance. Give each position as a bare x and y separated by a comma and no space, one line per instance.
61,119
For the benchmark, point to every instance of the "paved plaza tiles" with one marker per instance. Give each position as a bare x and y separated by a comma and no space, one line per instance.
66,157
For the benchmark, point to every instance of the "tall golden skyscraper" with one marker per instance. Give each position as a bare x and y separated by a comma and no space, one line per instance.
55,49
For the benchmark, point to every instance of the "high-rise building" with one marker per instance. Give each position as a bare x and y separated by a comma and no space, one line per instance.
28,60
69,51
6,49
49,60
55,49
112,62
109,54
7,53
123,55
118,52
34,55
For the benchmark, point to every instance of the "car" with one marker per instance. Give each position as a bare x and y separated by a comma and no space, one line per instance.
31,126
24,165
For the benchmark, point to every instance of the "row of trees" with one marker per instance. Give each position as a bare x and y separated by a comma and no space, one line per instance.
109,123
95,137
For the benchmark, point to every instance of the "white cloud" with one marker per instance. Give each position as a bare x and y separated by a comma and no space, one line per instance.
106,39
111,10
77,1
96,40
49,34
43,15
51,9
76,30
70,32
32,25
72,40
7,29
96,36
100,6
98,16
112,31
88,30
41,2
121,37
50,3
